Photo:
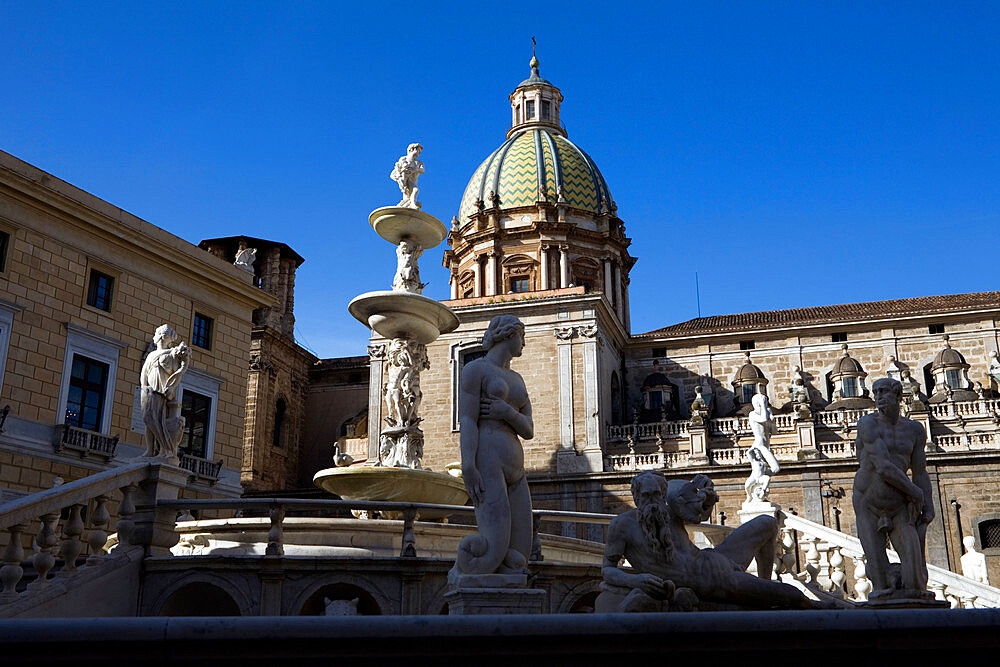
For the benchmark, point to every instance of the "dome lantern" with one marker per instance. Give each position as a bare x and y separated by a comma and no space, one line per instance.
535,103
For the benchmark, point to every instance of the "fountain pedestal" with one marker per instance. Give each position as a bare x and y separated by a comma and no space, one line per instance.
493,594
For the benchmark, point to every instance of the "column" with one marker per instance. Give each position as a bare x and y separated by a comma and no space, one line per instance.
564,385
625,309
478,289
543,260
591,391
454,284
564,266
618,292
608,291
491,273
375,355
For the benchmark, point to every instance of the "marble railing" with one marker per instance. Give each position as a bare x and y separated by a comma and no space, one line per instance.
983,408
834,562
85,442
651,461
46,510
201,468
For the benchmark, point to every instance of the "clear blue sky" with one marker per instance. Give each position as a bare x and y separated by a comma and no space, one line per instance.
794,154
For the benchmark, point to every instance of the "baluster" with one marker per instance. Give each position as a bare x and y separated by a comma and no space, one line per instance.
72,545
536,541
862,585
953,599
409,545
11,572
969,601
275,536
938,588
126,510
97,537
44,559
812,561
786,561
838,576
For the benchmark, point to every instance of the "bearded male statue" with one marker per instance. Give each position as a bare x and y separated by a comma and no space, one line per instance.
669,572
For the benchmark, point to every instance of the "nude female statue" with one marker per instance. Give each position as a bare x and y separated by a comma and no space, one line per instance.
762,460
494,411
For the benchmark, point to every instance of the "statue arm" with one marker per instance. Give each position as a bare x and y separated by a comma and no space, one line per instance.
468,420
918,468
614,550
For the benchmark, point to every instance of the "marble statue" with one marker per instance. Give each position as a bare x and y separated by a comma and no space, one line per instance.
763,463
401,444
494,413
408,168
974,562
799,393
245,259
161,411
669,572
699,408
886,501
994,368
407,277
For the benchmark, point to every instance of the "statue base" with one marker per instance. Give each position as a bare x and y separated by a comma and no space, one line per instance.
755,508
905,599
475,594
808,454
401,447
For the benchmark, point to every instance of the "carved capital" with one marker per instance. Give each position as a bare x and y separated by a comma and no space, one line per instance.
589,331
565,333
259,363
376,351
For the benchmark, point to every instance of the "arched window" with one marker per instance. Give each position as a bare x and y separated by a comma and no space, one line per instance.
279,423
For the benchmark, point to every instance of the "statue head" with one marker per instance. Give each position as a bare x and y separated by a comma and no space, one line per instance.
500,329
649,492
759,402
888,393
166,333
970,543
692,501
413,150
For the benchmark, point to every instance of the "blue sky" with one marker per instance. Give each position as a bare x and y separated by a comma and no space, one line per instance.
793,154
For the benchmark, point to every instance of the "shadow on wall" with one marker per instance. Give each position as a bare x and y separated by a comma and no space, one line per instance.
200,599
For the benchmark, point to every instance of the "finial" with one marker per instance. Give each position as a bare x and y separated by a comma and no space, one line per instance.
946,340
748,356
533,44
843,346
534,60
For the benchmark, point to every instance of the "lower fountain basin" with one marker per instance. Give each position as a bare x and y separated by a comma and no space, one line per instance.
403,485
397,314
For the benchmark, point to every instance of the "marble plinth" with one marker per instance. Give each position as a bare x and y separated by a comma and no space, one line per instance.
475,594
755,508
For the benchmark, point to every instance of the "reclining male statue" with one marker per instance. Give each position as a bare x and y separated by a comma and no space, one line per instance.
670,572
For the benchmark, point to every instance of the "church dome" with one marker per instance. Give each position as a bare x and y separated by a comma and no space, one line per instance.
532,162
948,357
848,365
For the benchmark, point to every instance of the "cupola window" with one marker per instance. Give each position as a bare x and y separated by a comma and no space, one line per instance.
529,110
546,110
748,392
954,378
850,389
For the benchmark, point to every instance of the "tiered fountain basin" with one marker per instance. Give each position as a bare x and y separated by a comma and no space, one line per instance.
385,484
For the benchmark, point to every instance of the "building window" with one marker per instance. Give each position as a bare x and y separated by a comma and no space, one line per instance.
101,290
954,379
655,400
196,410
747,345
4,244
546,110
88,383
519,285
935,329
202,334
989,534
529,110
659,352
850,387
839,337
279,423
748,392
517,115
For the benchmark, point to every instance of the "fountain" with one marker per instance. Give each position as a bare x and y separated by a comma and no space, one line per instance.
410,321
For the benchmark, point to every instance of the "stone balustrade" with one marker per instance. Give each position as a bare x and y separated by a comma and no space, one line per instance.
46,509
825,559
953,426
87,443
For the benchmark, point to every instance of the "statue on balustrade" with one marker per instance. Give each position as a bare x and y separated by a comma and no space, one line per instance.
887,502
974,562
494,413
763,464
161,411
668,572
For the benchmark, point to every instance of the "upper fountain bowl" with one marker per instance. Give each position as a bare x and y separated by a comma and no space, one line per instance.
395,223
397,314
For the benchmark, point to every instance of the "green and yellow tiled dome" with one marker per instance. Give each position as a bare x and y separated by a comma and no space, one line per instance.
529,159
